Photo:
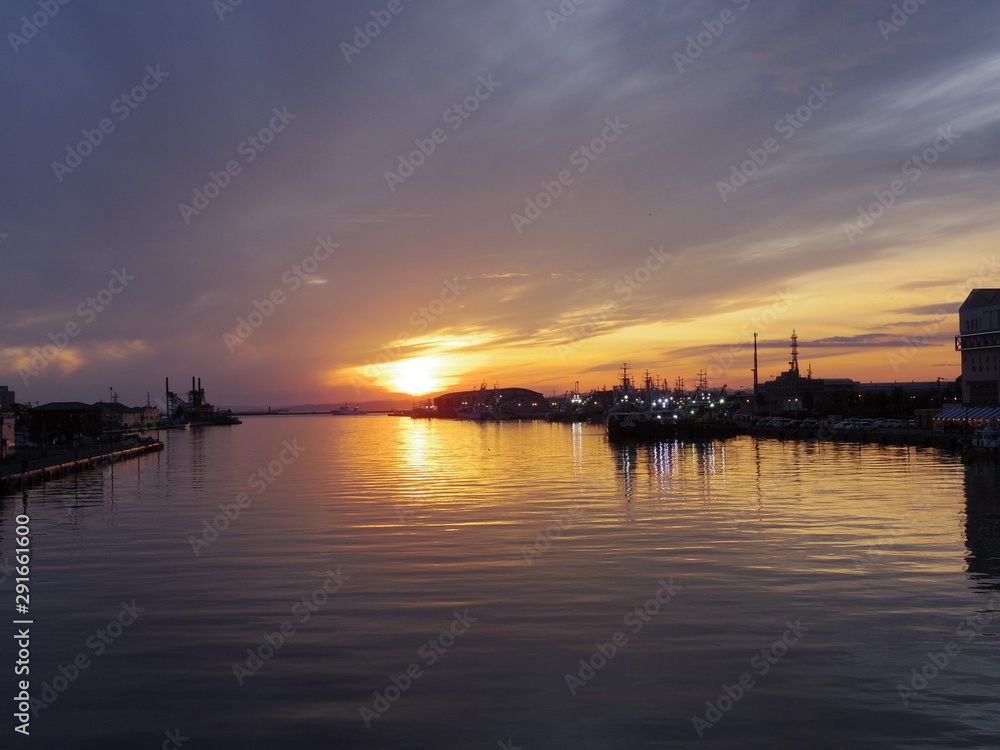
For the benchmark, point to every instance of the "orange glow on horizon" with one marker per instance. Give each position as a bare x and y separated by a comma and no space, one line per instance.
416,376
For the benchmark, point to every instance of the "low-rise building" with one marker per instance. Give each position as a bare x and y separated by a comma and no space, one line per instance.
492,403
7,423
979,343
62,421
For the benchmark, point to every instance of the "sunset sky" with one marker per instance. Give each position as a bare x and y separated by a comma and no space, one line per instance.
300,210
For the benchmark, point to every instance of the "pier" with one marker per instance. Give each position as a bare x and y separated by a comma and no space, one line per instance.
40,470
913,437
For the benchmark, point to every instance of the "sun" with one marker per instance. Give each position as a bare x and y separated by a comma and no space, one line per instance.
415,376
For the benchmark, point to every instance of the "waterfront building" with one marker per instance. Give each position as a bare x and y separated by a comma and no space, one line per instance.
61,421
790,391
117,417
7,422
979,343
492,403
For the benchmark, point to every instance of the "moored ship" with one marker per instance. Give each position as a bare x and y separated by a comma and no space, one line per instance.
654,413
195,410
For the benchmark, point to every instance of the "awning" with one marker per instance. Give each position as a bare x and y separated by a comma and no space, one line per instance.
978,412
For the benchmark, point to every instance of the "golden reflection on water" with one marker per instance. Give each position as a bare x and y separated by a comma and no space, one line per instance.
879,549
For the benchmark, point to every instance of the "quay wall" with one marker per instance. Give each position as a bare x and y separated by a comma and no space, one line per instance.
38,475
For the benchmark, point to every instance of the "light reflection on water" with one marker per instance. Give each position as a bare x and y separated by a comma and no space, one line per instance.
549,537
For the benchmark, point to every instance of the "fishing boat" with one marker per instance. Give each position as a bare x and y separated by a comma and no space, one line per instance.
654,413
344,410
985,442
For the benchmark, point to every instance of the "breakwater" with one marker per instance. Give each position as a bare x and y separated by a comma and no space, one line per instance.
915,437
36,475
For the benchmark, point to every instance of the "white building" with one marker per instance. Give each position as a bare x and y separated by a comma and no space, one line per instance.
979,343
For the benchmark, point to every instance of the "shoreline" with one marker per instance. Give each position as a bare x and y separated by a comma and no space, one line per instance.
41,470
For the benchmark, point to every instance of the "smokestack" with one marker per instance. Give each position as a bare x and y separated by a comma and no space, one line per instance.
755,363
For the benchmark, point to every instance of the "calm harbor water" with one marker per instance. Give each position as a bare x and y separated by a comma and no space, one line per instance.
391,583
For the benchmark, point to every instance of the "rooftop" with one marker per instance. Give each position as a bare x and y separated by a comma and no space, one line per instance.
981,298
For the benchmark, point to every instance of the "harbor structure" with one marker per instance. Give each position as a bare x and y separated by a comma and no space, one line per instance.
492,403
978,341
195,409
791,391
7,421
